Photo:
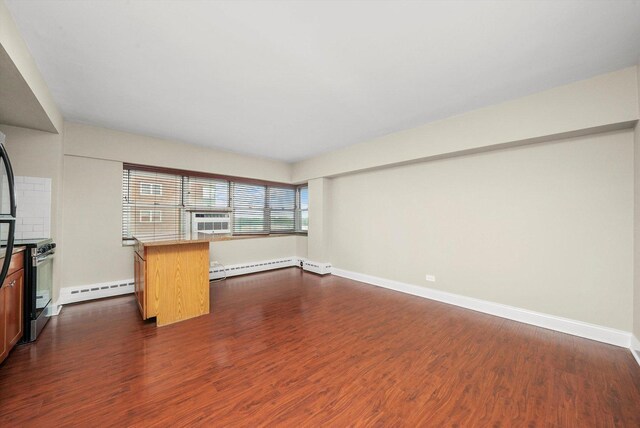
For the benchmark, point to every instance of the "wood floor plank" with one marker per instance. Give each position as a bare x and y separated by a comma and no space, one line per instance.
287,348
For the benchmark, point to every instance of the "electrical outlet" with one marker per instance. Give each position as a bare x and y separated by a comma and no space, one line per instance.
431,278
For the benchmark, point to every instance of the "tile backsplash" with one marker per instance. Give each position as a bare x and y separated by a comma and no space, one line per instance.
33,198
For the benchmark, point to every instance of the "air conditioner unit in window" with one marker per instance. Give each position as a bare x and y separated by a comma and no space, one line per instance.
209,223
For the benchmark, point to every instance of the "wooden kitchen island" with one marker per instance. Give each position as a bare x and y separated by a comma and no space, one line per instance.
171,278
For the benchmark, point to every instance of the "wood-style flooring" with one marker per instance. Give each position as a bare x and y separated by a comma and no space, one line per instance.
286,348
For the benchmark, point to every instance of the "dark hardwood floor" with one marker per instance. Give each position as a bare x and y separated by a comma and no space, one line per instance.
287,348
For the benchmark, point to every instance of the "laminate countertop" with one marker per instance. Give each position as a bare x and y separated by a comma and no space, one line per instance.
155,241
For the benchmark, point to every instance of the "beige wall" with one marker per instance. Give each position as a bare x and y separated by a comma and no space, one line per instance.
636,291
92,223
93,199
636,281
39,154
545,227
478,244
607,101
107,144
319,242
302,243
253,250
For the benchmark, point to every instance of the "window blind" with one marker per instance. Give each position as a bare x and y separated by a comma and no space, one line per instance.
249,209
159,203
282,208
205,193
151,204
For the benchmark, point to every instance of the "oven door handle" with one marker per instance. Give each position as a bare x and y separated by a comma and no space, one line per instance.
40,260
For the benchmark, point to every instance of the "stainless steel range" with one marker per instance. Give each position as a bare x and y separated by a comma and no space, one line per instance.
38,284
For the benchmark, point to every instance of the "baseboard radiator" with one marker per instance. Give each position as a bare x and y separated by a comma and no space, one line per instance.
218,271
95,291
319,268
126,286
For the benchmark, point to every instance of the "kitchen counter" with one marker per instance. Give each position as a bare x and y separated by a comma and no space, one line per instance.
170,240
171,277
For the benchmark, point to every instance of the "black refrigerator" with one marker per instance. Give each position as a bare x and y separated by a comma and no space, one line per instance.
7,208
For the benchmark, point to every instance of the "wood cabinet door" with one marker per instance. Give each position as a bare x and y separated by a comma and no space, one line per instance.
4,348
138,274
13,285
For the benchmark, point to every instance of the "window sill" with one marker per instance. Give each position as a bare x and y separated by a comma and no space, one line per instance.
128,243
238,237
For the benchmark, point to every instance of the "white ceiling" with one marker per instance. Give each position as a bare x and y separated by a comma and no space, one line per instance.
289,80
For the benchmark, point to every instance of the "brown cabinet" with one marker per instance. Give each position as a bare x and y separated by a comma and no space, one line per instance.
139,280
14,286
11,307
172,280
4,349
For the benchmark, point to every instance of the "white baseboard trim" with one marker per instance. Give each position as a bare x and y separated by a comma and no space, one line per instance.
95,291
635,348
564,325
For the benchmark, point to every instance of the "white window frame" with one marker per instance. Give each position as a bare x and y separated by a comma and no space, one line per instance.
150,189
299,210
154,216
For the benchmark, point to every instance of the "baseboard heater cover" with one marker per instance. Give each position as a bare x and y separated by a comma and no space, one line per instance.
95,291
319,268
218,271
126,286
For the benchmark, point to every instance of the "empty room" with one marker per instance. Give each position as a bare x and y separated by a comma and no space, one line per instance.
319,213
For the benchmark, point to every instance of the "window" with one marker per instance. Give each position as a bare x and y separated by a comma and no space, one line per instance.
249,208
151,204
209,193
150,216
282,209
163,203
302,209
150,189
205,193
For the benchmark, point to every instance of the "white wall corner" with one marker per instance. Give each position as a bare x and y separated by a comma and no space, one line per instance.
551,322
635,348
